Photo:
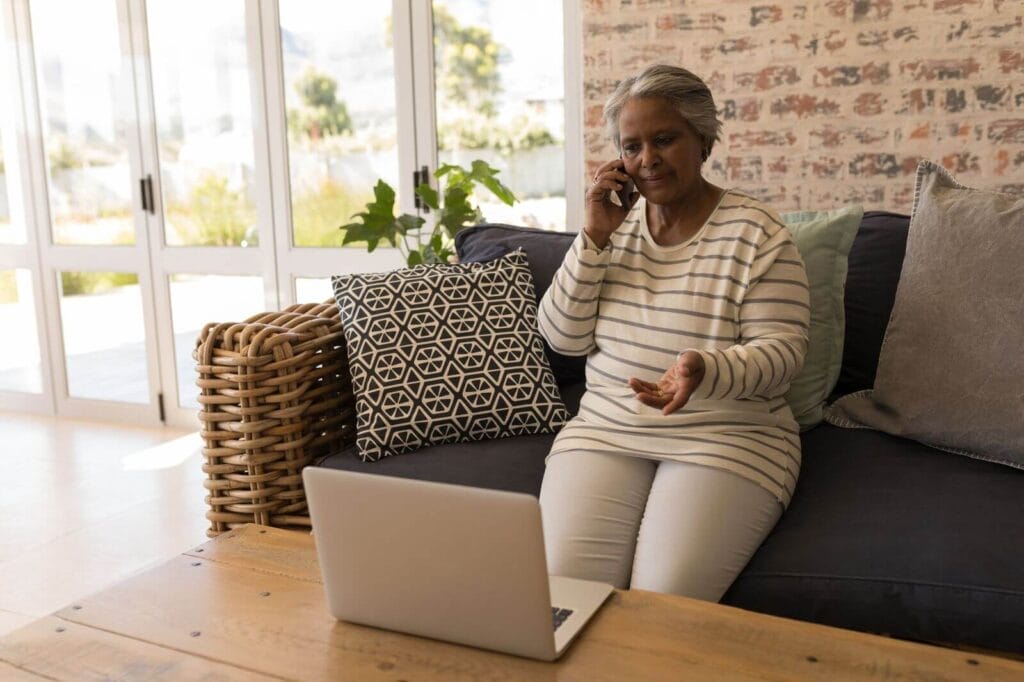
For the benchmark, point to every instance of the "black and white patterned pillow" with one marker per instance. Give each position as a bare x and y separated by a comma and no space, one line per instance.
445,354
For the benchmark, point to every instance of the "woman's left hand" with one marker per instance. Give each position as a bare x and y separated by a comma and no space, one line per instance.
675,386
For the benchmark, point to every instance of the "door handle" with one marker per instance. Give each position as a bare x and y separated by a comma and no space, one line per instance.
142,193
149,195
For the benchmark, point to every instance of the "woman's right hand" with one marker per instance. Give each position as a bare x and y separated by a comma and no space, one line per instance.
602,216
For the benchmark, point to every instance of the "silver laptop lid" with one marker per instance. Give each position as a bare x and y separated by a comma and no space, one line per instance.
449,562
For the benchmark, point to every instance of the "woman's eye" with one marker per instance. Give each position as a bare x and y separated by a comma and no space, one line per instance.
663,141
630,149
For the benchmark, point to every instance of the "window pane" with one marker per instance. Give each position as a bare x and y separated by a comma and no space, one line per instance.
104,336
313,289
20,369
78,65
339,73
7,231
500,98
204,121
197,300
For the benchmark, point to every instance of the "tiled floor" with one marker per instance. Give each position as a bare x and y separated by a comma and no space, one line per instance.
85,504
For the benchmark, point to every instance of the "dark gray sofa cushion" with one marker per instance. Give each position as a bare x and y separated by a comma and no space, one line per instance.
515,464
889,536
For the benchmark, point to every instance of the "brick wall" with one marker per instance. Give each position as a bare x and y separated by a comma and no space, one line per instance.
826,102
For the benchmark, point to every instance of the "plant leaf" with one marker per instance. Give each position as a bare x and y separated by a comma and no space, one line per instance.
429,195
414,259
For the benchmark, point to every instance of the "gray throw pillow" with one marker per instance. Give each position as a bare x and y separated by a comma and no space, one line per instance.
951,372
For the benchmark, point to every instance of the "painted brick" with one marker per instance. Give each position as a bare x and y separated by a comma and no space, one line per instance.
860,10
754,139
765,14
740,48
740,169
647,4
962,162
592,116
849,136
803,106
632,59
830,101
768,78
701,21
885,164
623,30
1011,61
824,168
833,76
975,32
940,69
741,109
1007,131
777,167
831,194
869,104
992,97
598,89
900,194
957,6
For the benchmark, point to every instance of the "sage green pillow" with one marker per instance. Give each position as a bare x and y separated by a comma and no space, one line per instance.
824,239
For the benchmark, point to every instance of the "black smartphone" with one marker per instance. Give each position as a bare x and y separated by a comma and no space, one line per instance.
626,194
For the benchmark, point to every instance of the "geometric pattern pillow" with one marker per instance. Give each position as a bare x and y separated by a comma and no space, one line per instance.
444,354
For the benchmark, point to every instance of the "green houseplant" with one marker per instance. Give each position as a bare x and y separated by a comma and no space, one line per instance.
454,209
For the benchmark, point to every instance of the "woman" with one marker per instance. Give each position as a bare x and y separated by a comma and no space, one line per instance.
691,304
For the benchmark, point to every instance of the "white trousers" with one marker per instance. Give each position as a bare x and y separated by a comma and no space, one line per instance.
654,525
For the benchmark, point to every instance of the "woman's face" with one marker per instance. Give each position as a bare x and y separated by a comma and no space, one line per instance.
660,150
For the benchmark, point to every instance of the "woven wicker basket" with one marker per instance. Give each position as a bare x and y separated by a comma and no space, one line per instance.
275,396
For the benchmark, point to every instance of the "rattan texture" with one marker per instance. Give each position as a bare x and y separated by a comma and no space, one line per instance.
275,396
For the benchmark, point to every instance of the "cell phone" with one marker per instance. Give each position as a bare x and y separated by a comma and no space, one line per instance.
626,194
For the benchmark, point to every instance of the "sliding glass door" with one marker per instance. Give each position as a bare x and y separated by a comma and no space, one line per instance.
168,163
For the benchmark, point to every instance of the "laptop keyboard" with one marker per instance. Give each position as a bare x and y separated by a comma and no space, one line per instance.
559,615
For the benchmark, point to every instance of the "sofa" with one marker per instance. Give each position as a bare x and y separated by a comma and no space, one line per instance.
883,534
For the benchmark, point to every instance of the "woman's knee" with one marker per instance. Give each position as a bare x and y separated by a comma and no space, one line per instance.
591,505
700,529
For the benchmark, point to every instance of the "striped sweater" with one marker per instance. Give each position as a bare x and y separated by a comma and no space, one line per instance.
736,292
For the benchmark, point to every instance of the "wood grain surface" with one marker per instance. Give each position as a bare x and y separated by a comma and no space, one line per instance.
250,605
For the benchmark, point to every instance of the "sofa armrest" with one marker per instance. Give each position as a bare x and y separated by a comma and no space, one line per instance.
275,396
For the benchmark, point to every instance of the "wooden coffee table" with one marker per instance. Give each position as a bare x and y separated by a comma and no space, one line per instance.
249,605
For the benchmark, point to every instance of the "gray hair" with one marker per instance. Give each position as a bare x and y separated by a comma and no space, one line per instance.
684,90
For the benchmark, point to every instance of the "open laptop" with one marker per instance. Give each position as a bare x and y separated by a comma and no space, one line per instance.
449,562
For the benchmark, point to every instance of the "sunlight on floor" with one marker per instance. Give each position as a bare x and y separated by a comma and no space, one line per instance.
164,456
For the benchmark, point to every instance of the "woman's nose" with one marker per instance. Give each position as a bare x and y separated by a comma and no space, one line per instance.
648,157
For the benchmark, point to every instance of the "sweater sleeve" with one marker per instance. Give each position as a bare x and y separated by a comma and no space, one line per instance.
774,325
568,310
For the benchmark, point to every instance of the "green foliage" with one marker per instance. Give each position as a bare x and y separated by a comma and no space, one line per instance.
321,114
452,205
215,214
468,58
64,157
314,214
8,287
77,283
474,132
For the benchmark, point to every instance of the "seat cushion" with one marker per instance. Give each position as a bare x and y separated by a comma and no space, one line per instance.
515,464
889,536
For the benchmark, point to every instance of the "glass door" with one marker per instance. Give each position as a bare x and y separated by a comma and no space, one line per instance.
207,184
94,259
500,94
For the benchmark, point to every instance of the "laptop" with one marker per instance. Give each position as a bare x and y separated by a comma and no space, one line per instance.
449,562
